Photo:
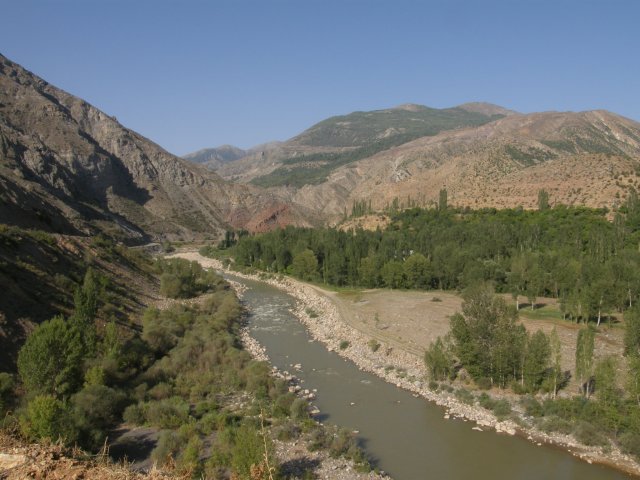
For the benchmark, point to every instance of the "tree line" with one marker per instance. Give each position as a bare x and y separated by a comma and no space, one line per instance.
574,254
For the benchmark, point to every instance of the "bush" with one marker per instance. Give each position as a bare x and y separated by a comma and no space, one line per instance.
483,383
589,435
433,385
486,401
7,385
48,418
134,415
167,448
501,408
168,413
373,345
299,409
532,407
288,431
344,344
465,396
95,409
630,443
249,451
556,424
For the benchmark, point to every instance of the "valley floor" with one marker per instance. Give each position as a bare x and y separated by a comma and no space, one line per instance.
404,323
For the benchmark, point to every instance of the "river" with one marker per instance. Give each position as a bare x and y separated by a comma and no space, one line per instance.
405,436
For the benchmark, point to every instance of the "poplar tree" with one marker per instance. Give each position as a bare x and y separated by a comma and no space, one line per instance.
584,359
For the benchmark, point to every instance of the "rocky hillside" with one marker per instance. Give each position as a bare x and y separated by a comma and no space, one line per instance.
311,156
587,158
67,167
500,158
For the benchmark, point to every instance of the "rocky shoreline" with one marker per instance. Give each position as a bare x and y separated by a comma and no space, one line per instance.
319,314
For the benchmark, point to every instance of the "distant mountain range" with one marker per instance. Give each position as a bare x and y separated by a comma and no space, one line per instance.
483,154
67,167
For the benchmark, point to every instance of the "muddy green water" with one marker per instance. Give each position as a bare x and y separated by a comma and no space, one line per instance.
406,436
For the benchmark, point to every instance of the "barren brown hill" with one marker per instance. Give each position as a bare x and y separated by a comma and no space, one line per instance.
66,166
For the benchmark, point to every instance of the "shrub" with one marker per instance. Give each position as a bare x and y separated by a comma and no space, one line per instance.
134,415
46,417
630,443
299,409
167,448
168,413
344,344
95,409
433,386
589,435
483,383
249,451
288,431
7,385
373,345
532,407
486,401
282,405
189,459
556,424
465,396
501,408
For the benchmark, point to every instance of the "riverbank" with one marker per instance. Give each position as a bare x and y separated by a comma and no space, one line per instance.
316,309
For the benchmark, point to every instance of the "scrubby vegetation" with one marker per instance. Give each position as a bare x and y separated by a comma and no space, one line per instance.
185,374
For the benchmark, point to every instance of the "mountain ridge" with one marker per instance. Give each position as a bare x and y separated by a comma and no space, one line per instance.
68,167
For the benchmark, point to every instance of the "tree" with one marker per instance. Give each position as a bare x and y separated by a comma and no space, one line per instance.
584,359
85,310
51,360
442,200
439,360
632,332
543,200
392,274
633,378
304,265
605,378
556,357
416,270
537,360
486,337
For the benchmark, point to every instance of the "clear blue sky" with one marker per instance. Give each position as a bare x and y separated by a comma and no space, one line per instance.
193,74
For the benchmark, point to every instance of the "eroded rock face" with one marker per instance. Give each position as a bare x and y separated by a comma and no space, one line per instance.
67,166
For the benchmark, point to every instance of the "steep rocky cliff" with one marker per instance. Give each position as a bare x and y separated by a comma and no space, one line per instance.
68,167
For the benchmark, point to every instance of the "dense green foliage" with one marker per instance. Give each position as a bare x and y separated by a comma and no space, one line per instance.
574,254
182,279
